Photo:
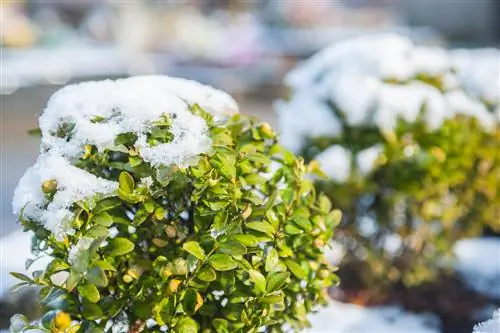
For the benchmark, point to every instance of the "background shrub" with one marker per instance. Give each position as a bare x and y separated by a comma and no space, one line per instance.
160,209
408,137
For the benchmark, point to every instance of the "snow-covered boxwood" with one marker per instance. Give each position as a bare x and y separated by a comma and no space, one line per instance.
409,138
165,210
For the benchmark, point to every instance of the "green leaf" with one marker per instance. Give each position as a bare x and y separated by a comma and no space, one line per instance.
97,231
186,325
21,277
222,262
262,226
90,292
195,249
192,301
91,311
233,248
97,276
247,240
276,280
296,269
258,279
126,182
221,325
103,219
119,246
272,260
105,265
303,223
272,299
206,274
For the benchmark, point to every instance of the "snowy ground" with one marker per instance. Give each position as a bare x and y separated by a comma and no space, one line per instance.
477,259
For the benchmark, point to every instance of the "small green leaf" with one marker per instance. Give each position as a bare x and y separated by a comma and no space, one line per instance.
186,325
21,277
90,292
221,325
119,246
272,299
222,262
276,280
262,226
258,279
97,231
295,269
97,276
272,260
206,274
91,311
103,219
126,182
105,265
192,301
247,240
195,249
232,247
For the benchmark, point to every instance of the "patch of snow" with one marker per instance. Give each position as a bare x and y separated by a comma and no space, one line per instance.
349,318
15,249
310,117
335,162
478,260
479,72
490,326
73,185
365,159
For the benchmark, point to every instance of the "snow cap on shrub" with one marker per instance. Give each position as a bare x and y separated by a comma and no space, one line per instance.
489,326
164,209
407,136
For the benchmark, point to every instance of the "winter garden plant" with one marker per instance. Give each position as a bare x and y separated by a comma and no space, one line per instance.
409,138
164,210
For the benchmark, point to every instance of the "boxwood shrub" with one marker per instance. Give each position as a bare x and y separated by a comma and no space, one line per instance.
163,209
408,138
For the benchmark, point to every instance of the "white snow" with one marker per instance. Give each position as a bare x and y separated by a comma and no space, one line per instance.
314,119
15,249
490,326
73,185
96,113
349,318
478,260
335,162
77,250
365,159
373,80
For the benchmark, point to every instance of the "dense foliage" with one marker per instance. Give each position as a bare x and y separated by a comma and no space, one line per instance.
231,242
408,137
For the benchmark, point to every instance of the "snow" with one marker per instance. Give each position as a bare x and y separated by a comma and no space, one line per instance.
478,260
490,326
315,119
15,249
335,162
73,185
373,80
365,159
349,318
95,113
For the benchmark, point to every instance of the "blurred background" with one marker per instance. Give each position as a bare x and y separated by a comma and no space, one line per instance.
243,47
